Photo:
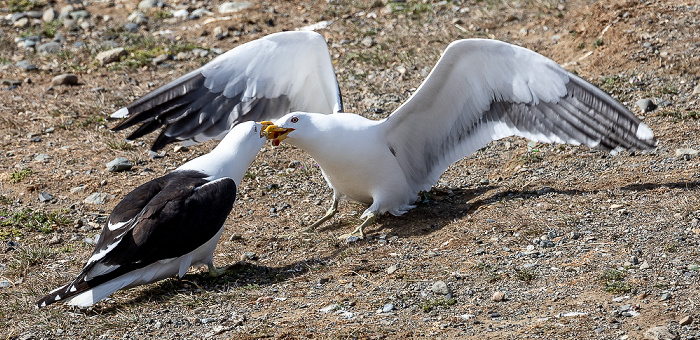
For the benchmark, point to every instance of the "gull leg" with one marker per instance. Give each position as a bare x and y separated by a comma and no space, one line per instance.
331,211
214,272
359,230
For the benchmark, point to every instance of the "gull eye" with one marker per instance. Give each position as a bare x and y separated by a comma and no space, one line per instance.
294,119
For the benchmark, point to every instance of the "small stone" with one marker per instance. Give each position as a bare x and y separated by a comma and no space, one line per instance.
64,79
55,240
51,47
110,56
665,296
659,333
137,18
494,314
145,5
498,296
249,255
42,157
696,90
644,265
45,197
686,153
231,7
131,27
391,269
441,288
687,320
98,198
77,190
65,11
367,41
546,244
220,32
329,308
181,14
119,164
646,105
159,60
388,308
21,23
26,65
81,14
49,15
352,239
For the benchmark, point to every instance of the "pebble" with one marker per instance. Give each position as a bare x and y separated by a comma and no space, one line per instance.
686,153
65,11
181,14
440,287
145,5
498,296
646,105
98,198
696,90
137,18
119,164
367,41
686,320
21,23
26,65
81,14
665,296
45,196
644,265
231,7
55,240
42,157
352,239
92,240
388,308
494,314
131,27
329,308
51,47
546,244
49,15
64,79
249,255
110,56
391,269
659,333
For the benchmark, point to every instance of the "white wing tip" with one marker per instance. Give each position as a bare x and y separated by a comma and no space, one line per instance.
644,132
121,113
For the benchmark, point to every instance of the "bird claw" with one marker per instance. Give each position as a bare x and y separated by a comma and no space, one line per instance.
357,233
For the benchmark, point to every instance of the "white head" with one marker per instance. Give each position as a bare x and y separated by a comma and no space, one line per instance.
232,157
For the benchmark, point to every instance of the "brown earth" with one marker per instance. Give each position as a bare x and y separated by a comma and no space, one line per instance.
608,216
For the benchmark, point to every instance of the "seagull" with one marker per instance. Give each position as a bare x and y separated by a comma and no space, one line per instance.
166,225
260,80
479,91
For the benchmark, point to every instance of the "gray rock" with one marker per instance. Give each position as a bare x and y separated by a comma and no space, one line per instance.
65,79
388,308
131,27
220,32
98,198
21,23
367,41
55,240
646,105
51,47
665,296
49,15
145,5
696,90
686,320
498,296
441,288
81,14
42,157
546,244
659,333
119,164
159,60
644,265
70,24
110,56
77,190
181,14
92,240
391,269
200,12
16,16
329,308
231,7
137,18
4,283
686,153
249,255
45,197
65,11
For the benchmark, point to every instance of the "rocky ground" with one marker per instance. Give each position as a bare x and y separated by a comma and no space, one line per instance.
516,241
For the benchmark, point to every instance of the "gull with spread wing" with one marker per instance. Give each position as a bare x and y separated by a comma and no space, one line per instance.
479,91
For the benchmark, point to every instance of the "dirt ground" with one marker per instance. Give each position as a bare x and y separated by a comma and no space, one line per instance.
582,244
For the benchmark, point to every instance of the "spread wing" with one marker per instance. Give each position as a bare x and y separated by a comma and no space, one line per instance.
482,90
260,80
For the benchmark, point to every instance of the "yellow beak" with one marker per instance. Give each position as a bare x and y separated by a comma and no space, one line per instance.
275,133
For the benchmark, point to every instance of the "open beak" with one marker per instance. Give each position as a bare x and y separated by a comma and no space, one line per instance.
275,133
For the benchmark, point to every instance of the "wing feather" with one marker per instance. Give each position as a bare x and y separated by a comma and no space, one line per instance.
260,80
483,90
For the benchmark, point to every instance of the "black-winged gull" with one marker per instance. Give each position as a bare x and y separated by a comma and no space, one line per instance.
259,80
479,91
166,225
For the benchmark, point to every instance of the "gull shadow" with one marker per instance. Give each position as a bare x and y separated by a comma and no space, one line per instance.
431,215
